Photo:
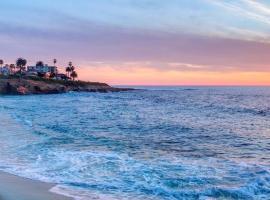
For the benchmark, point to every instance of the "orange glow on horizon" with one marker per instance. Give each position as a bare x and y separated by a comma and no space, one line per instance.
149,76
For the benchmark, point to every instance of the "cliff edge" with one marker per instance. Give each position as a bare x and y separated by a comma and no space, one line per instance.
17,86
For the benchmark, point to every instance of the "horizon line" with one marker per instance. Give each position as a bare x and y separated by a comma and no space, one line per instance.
118,85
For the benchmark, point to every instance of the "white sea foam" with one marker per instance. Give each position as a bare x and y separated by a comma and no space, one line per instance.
87,195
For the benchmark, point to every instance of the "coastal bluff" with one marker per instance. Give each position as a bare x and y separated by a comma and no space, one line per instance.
23,86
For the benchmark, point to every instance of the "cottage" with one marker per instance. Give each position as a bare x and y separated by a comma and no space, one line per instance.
42,69
5,70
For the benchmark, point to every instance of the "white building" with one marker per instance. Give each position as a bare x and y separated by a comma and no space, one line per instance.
5,70
42,69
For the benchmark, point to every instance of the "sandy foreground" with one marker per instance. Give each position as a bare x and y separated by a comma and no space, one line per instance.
16,188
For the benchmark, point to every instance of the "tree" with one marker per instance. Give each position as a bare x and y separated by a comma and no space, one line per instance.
70,64
1,62
12,67
41,75
39,64
21,63
68,70
74,75
72,68
52,75
54,62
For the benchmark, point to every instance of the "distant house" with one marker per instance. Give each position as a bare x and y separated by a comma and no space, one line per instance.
42,69
5,70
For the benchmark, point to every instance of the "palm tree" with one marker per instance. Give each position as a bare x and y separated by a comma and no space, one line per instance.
72,68
70,64
21,63
56,71
1,62
74,75
54,62
68,70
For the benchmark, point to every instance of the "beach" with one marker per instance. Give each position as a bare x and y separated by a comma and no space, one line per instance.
17,188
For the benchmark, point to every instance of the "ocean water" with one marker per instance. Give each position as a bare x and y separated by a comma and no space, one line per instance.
168,143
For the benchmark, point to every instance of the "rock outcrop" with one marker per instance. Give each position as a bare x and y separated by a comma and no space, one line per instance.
17,86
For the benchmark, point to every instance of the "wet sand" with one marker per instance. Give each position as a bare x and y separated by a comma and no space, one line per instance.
17,188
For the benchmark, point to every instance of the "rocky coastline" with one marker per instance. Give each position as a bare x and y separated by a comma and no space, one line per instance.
24,86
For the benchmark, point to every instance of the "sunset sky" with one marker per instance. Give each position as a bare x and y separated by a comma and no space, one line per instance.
143,42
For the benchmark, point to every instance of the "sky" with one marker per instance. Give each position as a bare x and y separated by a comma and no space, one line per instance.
143,42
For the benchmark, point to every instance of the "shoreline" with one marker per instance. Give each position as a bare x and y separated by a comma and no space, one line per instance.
13,187
31,86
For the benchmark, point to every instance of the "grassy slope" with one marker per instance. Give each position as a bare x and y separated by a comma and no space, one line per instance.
62,82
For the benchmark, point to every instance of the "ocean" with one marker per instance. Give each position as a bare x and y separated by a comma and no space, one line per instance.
156,143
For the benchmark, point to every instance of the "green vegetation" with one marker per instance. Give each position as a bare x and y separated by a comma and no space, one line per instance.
21,64
67,82
41,70
52,81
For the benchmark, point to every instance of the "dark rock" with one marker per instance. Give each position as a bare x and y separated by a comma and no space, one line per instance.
16,86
